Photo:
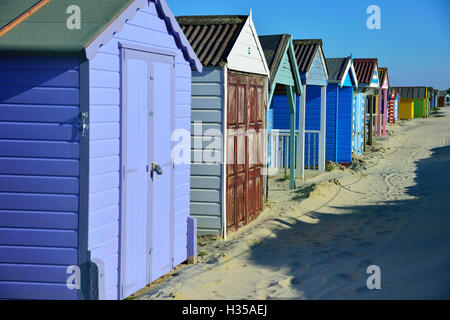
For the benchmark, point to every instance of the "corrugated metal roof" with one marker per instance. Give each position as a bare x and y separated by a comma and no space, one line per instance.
412,92
212,37
305,51
336,68
364,69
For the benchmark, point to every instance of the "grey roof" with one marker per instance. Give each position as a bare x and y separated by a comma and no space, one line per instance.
305,51
412,92
337,67
212,37
274,47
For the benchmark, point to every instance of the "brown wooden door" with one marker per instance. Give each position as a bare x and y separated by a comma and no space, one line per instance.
245,148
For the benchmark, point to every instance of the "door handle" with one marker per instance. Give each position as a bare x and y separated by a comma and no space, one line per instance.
156,168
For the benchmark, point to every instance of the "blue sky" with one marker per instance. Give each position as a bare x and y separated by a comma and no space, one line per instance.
414,40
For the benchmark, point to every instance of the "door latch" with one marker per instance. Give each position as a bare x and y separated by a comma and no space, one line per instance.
84,123
156,168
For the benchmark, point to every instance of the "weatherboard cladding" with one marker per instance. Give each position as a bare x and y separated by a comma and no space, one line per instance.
339,123
212,37
40,161
206,179
365,69
39,175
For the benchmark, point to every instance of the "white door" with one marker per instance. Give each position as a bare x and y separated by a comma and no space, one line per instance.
147,197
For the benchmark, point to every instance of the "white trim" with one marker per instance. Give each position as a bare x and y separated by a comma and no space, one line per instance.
323,127
301,136
352,67
346,73
224,153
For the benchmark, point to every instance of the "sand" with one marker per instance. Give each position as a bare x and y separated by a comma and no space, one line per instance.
391,208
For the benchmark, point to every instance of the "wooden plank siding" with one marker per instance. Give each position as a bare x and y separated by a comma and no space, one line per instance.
246,55
149,30
316,75
39,175
338,147
206,179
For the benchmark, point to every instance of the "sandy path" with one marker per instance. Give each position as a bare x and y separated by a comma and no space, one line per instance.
316,242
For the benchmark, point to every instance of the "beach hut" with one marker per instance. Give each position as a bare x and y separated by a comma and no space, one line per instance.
229,102
92,204
393,105
340,113
419,97
383,89
284,79
413,102
311,107
441,99
432,97
368,84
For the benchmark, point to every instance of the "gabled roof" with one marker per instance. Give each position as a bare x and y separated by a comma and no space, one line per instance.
412,92
338,68
275,47
382,73
44,31
212,37
365,69
305,51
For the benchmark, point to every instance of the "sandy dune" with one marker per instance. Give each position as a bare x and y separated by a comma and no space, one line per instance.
391,209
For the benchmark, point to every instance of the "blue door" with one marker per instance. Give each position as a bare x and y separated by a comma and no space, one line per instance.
147,169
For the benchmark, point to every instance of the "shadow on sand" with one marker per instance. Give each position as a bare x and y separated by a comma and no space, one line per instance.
408,239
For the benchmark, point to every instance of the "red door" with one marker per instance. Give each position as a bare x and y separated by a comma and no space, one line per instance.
245,148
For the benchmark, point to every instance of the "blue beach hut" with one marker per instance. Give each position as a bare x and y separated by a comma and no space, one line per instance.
88,105
285,83
340,113
311,106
